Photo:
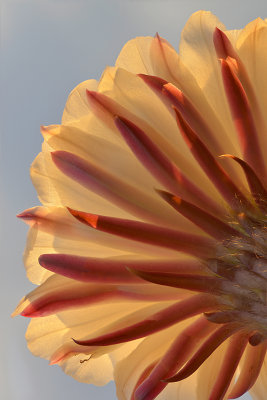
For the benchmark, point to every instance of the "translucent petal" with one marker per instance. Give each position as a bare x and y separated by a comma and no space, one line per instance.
258,391
198,54
77,105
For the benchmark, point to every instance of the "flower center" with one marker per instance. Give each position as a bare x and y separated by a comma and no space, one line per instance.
241,263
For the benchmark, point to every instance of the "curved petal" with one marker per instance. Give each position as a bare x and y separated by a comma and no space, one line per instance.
98,371
129,370
77,105
198,54
54,230
258,391
252,50
45,335
135,55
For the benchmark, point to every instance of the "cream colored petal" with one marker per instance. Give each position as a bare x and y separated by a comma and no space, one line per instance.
137,313
196,46
138,100
47,334
85,363
208,372
165,60
198,54
130,91
58,293
77,105
128,371
101,150
91,144
185,389
233,35
258,391
98,371
166,63
135,56
55,188
135,185
54,230
59,288
123,351
251,46
41,181
99,144
40,242
169,65
146,110
150,350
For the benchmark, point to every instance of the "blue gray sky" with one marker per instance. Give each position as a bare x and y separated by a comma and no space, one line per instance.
47,48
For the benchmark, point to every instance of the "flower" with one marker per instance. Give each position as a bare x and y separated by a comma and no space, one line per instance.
150,247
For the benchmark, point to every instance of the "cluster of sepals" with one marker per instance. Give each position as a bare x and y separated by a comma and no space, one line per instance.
229,276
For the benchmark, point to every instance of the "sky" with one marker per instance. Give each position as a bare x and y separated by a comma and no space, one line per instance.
47,48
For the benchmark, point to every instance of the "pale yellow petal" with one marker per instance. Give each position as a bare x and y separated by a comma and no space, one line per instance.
58,232
55,188
208,372
185,389
128,371
77,105
197,49
47,334
135,56
134,186
251,46
166,63
134,95
258,391
98,371
198,54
